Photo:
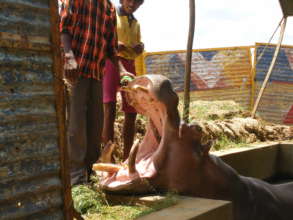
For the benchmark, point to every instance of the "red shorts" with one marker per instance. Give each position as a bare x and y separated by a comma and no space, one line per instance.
111,82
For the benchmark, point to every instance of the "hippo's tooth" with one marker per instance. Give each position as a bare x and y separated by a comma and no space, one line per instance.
141,88
126,89
106,167
107,152
132,157
134,88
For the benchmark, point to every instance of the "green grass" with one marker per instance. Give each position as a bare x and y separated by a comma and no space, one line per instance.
86,199
223,143
212,110
92,204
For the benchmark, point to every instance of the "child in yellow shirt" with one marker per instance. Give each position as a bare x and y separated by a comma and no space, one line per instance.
129,47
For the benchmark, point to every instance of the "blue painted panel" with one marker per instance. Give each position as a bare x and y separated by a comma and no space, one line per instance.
282,71
276,104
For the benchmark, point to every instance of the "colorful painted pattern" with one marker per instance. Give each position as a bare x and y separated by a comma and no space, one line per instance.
277,100
211,69
226,74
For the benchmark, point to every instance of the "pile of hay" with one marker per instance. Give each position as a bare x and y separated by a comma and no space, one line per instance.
225,122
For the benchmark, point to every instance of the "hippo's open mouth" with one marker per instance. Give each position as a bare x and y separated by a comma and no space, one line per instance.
152,96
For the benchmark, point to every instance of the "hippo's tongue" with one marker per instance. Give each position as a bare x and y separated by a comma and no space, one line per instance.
132,175
153,97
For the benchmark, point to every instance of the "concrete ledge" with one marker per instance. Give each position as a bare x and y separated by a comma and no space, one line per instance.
285,159
258,161
189,208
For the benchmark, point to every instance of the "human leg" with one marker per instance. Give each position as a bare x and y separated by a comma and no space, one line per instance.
128,133
95,119
129,114
109,119
76,133
110,86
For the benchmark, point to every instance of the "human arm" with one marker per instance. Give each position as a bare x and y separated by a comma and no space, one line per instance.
68,19
138,48
121,46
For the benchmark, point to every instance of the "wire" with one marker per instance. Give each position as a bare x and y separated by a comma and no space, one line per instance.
260,56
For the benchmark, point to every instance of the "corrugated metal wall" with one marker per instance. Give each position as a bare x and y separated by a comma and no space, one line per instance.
276,104
30,181
216,74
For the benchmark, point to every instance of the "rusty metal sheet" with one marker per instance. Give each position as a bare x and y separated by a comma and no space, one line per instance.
277,101
222,73
25,24
31,185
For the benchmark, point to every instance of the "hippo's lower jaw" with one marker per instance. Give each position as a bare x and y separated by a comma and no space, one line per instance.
153,97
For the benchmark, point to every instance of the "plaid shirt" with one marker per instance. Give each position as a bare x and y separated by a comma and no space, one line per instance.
92,27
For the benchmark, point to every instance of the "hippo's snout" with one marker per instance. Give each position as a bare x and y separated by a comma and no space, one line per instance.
162,153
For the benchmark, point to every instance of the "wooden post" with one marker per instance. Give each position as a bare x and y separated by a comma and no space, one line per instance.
60,110
188,61
270,68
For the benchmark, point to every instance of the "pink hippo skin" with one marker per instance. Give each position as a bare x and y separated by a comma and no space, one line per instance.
172,157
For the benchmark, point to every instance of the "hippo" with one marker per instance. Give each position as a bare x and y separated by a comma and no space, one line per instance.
174,156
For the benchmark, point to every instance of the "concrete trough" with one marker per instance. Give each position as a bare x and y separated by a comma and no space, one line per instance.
266,161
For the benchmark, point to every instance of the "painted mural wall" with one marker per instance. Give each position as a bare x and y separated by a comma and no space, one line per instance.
276,104
216,74
231,74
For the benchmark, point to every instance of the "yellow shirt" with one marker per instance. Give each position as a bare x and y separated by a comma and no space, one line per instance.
129,35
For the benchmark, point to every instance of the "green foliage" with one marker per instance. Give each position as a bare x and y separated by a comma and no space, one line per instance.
91,202
86,199
213,110
224,142
128,211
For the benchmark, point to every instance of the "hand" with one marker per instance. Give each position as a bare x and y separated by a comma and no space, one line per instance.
125,80
70,69
121,47
70,77
138,48
122,74
70,62
125,76
123,71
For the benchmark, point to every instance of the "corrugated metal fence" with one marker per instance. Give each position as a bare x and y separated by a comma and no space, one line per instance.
276,104
31,185
216,74
231,74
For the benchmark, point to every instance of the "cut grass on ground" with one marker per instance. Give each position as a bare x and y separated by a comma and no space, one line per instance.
93,205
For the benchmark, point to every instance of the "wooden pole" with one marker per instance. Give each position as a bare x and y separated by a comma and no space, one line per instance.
188,61
270,68
60,101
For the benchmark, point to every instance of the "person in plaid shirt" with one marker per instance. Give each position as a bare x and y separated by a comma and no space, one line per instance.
88,37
